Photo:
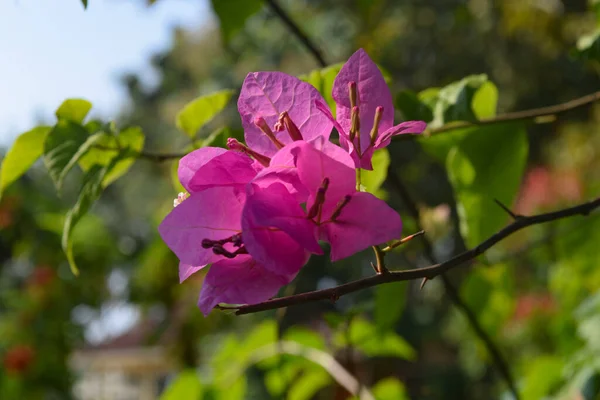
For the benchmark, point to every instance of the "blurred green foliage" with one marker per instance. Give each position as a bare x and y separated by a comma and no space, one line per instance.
536,294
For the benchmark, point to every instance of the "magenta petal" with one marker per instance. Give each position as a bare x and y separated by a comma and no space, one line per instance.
282,169
228,169
187,270
275,207
275,230
240,280
211,214
314,166
365,221
343,134
268,94
372,92
414,127
192,162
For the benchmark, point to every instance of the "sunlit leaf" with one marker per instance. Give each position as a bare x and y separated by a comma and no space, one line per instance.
128,143
201,110
186,386
308,384
389,304
485,100
487,164
61,145
74,109
370,340
322,79
543,374
588,46
412,107
389,389
305,337
90,191
278,379
372,180
26,149
219,137
439,145
81,151
233,14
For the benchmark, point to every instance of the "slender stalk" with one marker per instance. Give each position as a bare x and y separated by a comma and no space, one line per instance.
418,273
524,115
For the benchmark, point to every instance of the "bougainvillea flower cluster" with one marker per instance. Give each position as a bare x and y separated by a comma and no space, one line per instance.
255,212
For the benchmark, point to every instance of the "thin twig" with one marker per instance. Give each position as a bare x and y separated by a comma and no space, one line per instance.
523,115
452,292
295,30
418,273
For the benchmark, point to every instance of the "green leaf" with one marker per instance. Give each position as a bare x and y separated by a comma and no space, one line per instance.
278,379
453,102
588,46
74,109
440,144
485,101
487,164
28,147
128,143
231,390
85,3
219,137
233,14
412,107
367,338
186,386
201,110
307,385
542,375
61,145
476,291
372,180
305,337
389,304
322,80
81,151
91,189
389,389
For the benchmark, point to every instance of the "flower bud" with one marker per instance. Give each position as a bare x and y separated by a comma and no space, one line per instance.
376,121
234,144
264,127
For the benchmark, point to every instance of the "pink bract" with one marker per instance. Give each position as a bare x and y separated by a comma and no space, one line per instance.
372,93
275,230
267,95
241,280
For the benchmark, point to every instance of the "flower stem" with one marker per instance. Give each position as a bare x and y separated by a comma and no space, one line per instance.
358,179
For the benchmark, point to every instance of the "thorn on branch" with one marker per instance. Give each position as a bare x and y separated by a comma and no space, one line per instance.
334,297
508,210
423,282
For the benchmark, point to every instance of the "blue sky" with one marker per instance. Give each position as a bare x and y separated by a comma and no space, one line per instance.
51,50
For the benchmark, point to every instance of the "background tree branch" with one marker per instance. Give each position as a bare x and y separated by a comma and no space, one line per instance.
452,292
296,31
